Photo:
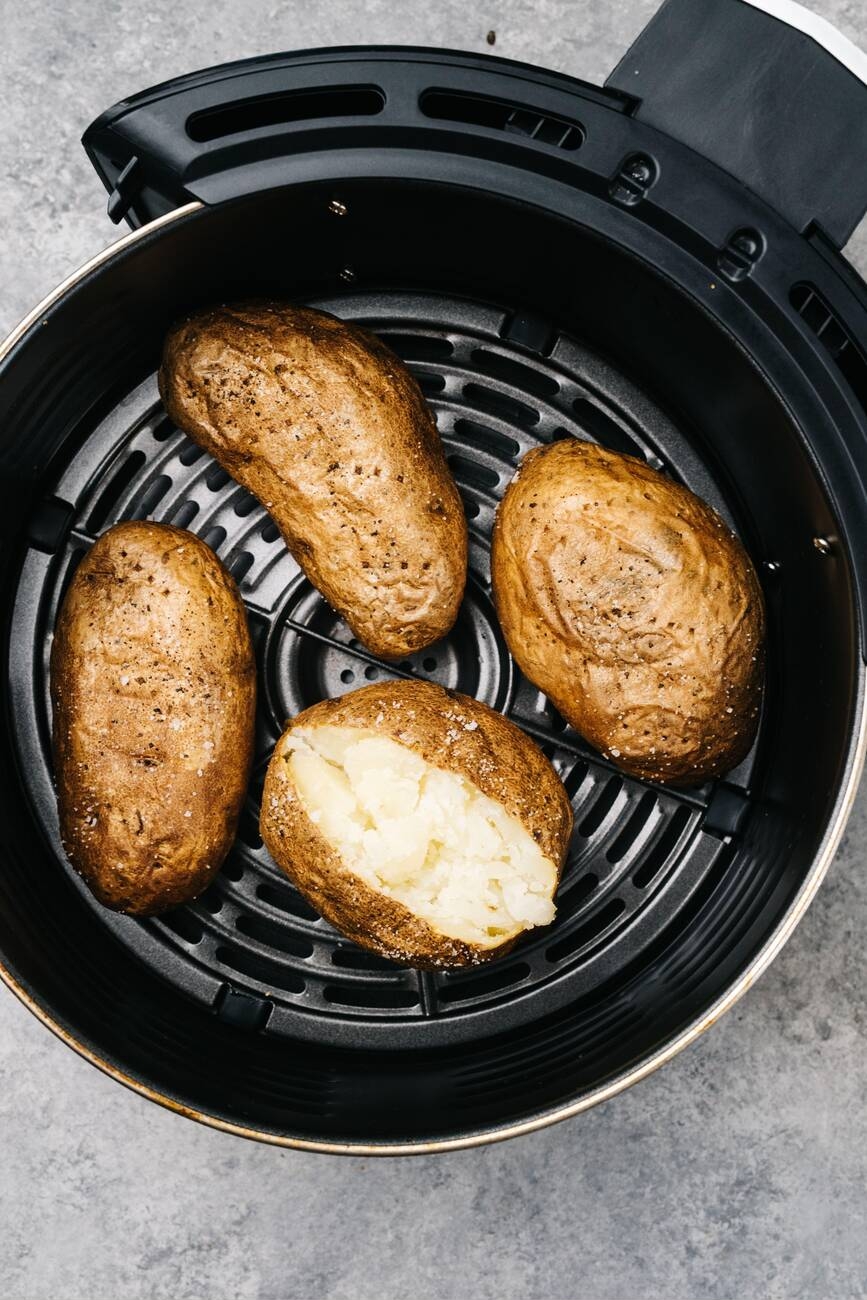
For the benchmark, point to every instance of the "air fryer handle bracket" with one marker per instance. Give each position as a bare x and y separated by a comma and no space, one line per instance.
768,91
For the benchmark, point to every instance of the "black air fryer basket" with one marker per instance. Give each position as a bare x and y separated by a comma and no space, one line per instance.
654,266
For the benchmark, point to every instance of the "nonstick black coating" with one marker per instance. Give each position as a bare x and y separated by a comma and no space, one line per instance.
244,1006
638,853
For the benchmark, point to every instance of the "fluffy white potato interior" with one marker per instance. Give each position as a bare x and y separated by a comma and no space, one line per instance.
426,837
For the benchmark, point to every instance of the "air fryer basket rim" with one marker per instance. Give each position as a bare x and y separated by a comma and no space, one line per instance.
785,926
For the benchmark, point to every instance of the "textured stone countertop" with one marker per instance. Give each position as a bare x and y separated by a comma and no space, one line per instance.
740,1170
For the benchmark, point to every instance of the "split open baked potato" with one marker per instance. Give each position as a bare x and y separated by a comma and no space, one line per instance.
419,822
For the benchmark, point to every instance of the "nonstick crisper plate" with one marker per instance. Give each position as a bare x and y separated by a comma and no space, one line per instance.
251,947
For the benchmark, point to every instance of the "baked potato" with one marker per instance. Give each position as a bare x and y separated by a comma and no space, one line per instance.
325,425
420,823
153,690
632,605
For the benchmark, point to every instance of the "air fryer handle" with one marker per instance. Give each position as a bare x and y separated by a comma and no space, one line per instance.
767,90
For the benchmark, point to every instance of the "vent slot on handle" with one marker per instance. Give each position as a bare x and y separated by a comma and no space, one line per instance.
288,106
821,319
501,115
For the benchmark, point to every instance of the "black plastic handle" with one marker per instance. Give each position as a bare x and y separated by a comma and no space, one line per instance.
763,98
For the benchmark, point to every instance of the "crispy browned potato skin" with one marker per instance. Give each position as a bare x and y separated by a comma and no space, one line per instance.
153,687
452,732
629,602
325,425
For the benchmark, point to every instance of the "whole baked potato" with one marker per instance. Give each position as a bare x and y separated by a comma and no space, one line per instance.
632,605
153,690
419,822
326,426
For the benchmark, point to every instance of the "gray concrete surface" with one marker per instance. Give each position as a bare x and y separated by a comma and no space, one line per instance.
738,1171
